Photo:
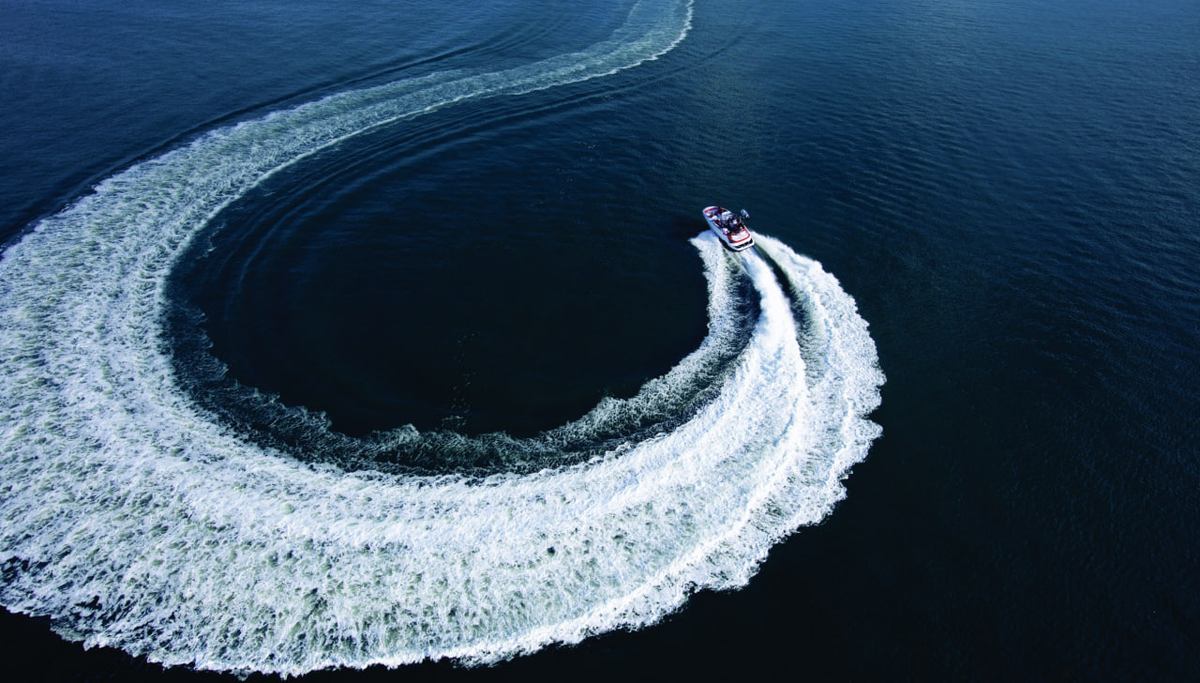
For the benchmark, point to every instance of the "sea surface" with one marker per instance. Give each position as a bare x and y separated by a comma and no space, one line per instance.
385,341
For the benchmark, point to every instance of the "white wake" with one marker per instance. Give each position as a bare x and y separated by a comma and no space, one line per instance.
135,519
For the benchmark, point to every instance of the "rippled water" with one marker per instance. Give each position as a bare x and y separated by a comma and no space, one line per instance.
344,338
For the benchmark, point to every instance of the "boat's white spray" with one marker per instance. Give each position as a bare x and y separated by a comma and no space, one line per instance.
135,519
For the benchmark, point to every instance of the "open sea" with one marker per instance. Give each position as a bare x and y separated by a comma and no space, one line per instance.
385,340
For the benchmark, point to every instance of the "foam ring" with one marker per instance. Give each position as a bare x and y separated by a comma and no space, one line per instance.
135,519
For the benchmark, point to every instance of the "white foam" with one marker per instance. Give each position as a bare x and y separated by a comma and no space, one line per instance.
137,520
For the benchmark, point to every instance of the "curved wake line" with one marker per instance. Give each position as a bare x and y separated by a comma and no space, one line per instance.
137,520
157,531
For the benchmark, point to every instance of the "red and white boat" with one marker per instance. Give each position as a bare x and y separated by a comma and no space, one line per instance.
729,227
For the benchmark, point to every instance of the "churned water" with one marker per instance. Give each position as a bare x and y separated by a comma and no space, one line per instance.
335,337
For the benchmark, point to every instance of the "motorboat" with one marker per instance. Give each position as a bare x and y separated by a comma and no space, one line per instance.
729,227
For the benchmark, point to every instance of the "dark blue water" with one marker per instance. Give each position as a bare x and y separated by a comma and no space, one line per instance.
1010,192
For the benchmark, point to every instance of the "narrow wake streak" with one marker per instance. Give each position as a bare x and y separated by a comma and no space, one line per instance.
135,519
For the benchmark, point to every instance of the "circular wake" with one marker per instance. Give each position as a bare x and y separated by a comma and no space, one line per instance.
135,517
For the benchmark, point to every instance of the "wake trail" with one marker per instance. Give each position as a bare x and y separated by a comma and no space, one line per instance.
135,518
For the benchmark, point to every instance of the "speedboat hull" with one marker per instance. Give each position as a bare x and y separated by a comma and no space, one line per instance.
729,228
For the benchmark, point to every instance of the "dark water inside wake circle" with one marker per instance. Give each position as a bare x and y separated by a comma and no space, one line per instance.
1009,191
406,292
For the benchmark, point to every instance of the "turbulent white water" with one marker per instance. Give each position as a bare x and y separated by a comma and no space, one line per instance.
136,519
